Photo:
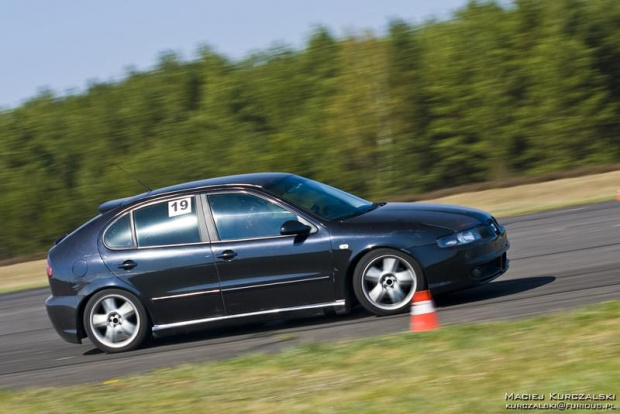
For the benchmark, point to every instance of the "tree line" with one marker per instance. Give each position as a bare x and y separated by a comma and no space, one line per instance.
495,91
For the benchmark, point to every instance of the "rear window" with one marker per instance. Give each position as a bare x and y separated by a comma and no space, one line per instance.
167,223
118,235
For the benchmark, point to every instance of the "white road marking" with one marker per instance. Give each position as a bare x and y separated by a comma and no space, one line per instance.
574,209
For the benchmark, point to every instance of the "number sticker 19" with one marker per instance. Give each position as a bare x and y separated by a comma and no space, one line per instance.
179,207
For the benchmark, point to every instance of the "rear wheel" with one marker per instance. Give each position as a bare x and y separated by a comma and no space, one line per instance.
116,321
385,280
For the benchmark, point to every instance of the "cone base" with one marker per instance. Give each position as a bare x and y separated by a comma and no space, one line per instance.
423,323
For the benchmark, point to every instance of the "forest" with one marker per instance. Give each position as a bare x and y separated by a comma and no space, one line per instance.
497,90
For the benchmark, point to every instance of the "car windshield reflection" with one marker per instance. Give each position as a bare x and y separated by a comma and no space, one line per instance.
321,199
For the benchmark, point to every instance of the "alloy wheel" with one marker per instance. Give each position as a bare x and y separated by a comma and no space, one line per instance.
115,321
389,282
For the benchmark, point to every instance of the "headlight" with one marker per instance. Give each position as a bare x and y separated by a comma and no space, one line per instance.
460,238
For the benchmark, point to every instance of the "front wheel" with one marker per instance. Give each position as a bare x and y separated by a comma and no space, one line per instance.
116,321
385,280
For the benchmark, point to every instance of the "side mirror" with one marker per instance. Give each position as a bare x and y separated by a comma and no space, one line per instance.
294,227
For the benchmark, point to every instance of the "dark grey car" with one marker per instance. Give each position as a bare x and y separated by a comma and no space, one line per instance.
257,244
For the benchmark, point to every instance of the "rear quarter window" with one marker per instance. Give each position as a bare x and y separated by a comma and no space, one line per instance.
118,235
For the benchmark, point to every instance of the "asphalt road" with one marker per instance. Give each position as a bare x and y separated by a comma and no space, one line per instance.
559,260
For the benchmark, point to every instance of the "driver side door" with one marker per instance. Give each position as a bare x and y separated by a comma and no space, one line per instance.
259,268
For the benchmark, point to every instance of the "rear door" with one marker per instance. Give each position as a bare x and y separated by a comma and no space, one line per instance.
162,249
260,269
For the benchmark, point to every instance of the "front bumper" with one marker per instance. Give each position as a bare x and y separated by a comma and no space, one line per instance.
462,267
63,313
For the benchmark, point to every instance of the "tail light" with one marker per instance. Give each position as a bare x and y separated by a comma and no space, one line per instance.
48,268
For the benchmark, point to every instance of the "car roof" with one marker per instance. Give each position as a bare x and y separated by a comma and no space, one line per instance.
255,180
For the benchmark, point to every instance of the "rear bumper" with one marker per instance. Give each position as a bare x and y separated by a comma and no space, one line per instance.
468,266
63,313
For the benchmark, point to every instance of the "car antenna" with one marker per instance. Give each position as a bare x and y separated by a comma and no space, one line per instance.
148,189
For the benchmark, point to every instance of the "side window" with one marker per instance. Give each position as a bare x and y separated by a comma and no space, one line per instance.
244,216
118,235
166,223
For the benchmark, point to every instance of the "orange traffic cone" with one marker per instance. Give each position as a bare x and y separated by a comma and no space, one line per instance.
423,317
617,195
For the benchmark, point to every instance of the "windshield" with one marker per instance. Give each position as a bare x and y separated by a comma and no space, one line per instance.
320,199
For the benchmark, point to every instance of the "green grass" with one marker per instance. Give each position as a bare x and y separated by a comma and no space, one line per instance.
457,369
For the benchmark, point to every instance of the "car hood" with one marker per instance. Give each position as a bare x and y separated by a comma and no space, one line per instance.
452,218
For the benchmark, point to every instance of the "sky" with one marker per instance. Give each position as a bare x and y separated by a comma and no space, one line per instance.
63,44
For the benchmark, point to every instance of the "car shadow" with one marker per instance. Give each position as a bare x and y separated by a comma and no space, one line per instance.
492,290
278,327
284,329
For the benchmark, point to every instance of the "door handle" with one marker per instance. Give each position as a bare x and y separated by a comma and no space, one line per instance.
127,265
228,255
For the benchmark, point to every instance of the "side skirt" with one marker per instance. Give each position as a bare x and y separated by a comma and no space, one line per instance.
337,303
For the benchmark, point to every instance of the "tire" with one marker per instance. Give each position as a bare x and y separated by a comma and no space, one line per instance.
385,280
116,321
